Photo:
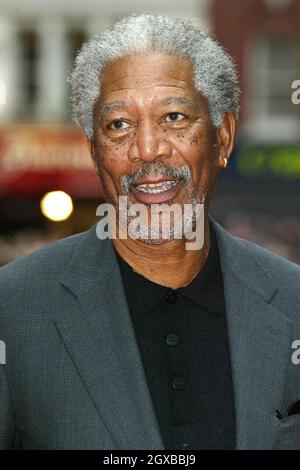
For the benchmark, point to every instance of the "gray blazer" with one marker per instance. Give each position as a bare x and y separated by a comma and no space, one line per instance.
73,377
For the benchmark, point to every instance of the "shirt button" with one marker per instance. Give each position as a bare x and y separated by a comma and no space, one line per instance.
178,383
172,339
171,297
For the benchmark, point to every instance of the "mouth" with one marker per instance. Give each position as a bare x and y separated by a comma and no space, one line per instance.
155,191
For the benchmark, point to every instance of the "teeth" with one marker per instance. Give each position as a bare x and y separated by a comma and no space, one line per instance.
155,188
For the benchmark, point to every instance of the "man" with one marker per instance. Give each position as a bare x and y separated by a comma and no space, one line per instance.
138,342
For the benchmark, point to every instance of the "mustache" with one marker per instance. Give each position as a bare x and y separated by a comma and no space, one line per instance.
154,170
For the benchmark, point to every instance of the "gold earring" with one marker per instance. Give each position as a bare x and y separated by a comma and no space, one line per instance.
225,163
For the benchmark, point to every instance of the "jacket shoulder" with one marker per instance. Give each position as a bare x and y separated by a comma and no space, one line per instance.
269,269
268,260
39,266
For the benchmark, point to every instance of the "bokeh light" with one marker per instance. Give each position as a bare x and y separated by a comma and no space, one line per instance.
57,206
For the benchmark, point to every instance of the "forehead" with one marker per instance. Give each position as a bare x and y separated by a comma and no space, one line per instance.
154,74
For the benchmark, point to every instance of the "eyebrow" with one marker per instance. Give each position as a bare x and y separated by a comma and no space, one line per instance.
178,101
170,100
106,107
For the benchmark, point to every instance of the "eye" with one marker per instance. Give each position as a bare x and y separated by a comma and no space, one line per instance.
118,124
175,117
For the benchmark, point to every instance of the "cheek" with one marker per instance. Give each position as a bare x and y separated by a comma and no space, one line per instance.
111,151
113,160
195,150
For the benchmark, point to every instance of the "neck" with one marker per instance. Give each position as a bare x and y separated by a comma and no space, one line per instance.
169,264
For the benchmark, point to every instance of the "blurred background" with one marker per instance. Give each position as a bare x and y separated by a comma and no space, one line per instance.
48,187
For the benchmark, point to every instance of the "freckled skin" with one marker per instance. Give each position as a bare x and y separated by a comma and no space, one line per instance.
194,141
146,129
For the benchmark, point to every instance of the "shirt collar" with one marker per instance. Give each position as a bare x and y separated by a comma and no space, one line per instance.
206,289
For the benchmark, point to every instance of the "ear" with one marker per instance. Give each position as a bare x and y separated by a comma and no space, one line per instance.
225,137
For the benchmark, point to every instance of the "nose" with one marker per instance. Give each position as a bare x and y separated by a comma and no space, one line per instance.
149,143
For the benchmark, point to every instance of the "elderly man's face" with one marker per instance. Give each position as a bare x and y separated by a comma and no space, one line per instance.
154,140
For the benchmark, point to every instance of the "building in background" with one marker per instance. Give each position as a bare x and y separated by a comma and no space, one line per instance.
259,197
41,151
264,39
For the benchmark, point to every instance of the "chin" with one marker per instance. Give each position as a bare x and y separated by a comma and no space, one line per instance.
149,241
156,236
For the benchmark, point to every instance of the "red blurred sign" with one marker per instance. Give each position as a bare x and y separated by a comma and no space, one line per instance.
38,159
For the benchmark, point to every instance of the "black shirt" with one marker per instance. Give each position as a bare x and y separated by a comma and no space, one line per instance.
182,338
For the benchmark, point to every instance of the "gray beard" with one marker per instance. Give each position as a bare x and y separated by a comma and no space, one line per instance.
156,235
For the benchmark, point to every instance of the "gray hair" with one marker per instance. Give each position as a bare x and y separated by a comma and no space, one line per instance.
214,71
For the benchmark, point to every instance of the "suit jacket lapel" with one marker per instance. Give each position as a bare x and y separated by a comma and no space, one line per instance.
260,339
96,327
